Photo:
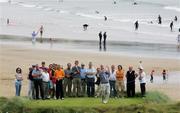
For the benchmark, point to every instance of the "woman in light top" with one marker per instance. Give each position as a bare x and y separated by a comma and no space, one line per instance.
142,80
18,81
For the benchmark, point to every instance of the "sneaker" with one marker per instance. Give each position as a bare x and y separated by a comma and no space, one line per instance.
62,98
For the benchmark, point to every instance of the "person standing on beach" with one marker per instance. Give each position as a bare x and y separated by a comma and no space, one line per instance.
85,26
171,26
131,76
46,80
159,19
7,21
76,70
68,80
59,75
83,80
98,83
90,75
175,18
112,81
136,24
104,42
178,39
120,81
51,72
34,34
100,39
41,32
18,81
31,91
37,76
43,66
152,76
104,82
164,74
105,18
142,80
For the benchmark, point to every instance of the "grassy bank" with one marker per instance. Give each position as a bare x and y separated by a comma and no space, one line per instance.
154,102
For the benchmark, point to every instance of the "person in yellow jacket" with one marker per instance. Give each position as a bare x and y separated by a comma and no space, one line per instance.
120,81
59,75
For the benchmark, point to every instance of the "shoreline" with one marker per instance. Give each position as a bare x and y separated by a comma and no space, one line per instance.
63,40
135,49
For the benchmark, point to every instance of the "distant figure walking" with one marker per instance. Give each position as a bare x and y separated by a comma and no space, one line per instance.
34,34
104,36
85,26
159,19
97,12
136,24
152,76
178,39
105,18
7,21
135,3
41,32
175,18
164,74
171,26
100,39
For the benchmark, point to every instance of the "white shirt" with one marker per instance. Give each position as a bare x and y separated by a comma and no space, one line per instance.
112,76
142,77
92,70
18,76
45,77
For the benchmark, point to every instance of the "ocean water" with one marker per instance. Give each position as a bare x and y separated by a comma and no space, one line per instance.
65,19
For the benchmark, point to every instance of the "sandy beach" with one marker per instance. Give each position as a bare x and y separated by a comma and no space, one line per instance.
13,56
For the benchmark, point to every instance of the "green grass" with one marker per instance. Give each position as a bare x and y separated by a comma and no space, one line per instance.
85,102
154,102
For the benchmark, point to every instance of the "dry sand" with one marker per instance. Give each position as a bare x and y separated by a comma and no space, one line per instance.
12,57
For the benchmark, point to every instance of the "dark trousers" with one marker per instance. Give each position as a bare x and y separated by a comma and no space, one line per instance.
112,88
38,86
143,88
131,89
59,89
90,87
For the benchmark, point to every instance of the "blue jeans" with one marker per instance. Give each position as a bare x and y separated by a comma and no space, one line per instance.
18,87
112,88
90,87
